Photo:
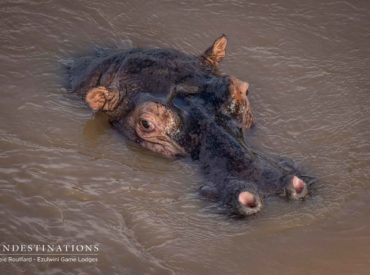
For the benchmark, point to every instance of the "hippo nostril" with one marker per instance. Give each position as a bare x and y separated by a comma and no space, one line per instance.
252,204
297,188
298,185
247,199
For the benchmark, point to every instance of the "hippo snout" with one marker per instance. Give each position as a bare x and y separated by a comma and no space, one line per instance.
242,176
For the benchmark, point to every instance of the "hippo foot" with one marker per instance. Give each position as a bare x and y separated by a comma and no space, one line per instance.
297,188
249,203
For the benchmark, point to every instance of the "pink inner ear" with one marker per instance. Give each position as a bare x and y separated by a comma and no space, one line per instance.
220,44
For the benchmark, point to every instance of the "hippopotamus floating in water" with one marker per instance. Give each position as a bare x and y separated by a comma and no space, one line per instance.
179,105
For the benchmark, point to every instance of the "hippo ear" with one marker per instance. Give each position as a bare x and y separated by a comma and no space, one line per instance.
102,99
238,105
214,54
238,88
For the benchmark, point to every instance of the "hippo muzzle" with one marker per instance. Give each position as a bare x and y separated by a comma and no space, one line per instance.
237,176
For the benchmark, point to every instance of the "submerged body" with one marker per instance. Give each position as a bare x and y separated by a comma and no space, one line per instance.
180,105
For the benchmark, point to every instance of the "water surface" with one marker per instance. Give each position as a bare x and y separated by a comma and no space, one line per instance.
67,177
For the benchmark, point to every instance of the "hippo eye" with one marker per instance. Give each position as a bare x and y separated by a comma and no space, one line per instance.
146,125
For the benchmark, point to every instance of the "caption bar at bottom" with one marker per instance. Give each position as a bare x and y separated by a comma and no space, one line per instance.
49,259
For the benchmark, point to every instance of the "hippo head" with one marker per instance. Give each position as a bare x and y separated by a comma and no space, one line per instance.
176,105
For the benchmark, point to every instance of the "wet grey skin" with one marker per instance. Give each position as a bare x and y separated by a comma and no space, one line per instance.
180,105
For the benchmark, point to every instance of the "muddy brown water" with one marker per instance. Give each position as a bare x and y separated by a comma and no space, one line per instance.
67,177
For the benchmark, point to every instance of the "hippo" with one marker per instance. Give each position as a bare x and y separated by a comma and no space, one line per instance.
181,105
